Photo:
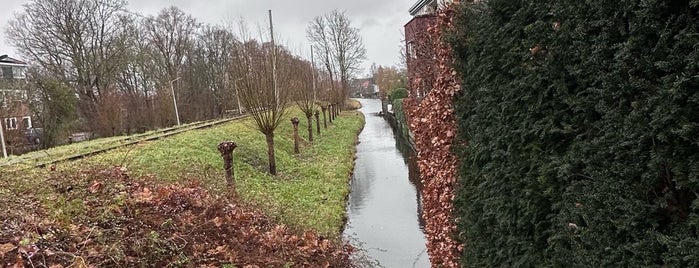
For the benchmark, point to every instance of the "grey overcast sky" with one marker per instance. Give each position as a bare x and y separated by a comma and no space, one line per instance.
380,22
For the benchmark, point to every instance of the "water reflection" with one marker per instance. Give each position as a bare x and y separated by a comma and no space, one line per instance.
384,207
410,157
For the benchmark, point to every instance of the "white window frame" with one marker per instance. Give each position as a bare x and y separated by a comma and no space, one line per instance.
18,73
29,122
411,51
11,123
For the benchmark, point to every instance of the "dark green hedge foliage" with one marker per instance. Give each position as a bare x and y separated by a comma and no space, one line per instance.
581,120
401,119
398,93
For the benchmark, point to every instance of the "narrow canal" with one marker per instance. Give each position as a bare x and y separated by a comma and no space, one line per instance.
384,203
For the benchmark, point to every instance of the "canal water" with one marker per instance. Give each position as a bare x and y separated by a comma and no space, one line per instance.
384,211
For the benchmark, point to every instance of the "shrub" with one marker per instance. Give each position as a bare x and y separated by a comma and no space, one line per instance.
581,124
398,93
401,119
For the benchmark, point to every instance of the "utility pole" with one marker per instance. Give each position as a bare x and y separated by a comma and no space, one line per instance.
313,72
174,100
274,61
2,140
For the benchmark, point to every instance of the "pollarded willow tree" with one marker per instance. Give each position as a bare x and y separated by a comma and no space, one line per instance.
340,48
263,78
305,91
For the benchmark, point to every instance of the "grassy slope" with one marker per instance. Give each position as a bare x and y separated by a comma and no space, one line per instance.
308,193
36,157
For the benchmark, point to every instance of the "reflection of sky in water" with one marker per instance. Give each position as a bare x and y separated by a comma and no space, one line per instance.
382,206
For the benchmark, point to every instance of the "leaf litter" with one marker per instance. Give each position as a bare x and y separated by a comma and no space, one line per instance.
109,219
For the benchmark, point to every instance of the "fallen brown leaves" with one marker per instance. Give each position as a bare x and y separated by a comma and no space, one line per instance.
433,124
133,223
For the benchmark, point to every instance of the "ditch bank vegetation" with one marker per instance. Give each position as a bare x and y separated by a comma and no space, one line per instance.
165,202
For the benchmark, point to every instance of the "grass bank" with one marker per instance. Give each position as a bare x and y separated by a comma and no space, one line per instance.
31,159
308,193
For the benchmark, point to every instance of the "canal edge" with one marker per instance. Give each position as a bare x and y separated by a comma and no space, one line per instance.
345,217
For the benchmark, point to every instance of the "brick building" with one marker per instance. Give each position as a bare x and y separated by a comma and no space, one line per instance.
14,111
420,46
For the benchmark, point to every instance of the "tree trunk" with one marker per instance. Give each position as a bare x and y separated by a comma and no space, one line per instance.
330,113
325,121
335,113
295,122
318,121
270,153
226,149
310,127
228,166
337,110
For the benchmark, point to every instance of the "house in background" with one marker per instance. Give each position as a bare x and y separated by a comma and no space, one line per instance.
420,46
364,88
14,111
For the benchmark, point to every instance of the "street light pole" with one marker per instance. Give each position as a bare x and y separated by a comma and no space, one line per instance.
174,100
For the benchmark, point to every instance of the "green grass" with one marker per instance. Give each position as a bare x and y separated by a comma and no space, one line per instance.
57,152
308,193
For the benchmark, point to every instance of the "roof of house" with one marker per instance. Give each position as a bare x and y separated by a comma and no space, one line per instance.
5,60
419,5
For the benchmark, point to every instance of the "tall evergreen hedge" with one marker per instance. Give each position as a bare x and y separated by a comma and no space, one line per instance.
580,129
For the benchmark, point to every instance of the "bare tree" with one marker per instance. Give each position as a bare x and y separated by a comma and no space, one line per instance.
263,73
217,47
305,89
388,79
318,36
81,42
137,82
171,36
341,49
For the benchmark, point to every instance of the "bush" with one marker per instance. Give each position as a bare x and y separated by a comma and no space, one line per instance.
398,93
581,124
401,119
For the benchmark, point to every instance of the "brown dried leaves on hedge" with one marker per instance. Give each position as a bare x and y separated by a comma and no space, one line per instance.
434,127
130,223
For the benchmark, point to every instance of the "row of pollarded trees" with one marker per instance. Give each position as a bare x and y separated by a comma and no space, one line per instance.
270,78
124,68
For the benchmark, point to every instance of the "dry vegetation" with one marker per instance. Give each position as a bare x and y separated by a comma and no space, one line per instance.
433,122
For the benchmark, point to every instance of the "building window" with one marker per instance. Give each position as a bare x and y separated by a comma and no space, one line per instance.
27,122
11,123
18,73
7,72
410,50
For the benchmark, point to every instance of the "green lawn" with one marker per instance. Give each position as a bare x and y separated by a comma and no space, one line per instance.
31,158
308,193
